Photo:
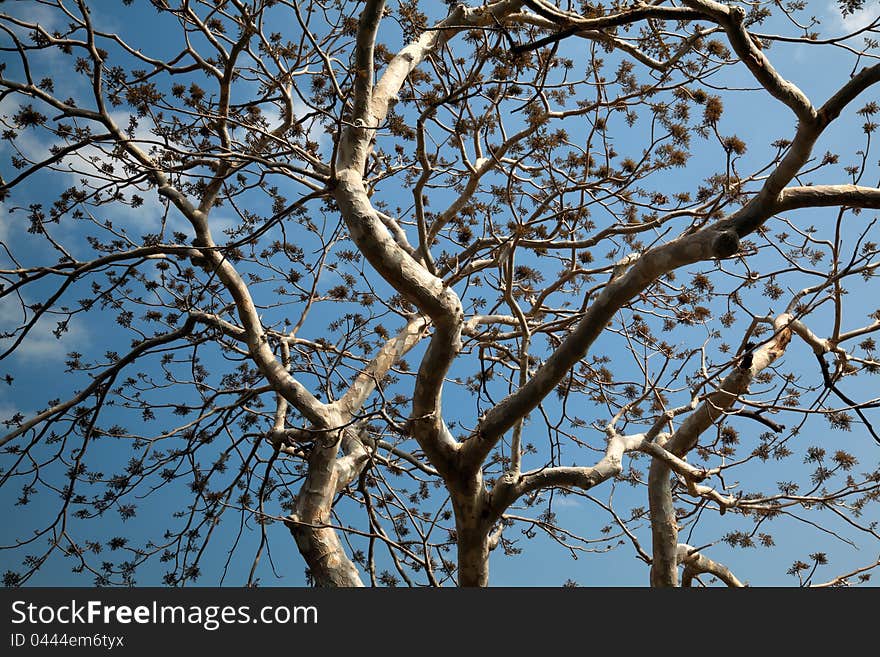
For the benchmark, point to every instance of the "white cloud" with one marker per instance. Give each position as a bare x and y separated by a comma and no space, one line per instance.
33,12
40,343
85,164
49,61
567,501
800,54
7,412
854,21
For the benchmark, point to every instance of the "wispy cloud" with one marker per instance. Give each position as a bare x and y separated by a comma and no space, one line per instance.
7,412
854,21
567,501
40,343
86,164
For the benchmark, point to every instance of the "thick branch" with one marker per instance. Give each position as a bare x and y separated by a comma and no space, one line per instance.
731,19
720,240
703,245
817,196
696,564
369,377
664,526
511,487
368,231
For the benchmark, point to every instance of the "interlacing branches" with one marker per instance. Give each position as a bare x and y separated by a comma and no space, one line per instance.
627,322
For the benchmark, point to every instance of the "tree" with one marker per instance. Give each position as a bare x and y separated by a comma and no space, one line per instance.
242,219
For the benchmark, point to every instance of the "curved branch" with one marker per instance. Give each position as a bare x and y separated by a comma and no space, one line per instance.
696,564
664,525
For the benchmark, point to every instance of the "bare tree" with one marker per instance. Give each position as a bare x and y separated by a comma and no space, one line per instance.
242,217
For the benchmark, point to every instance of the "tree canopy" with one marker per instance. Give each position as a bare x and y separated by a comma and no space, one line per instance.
427,287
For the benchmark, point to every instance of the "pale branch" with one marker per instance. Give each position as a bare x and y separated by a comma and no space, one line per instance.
258,344
369,233
512,486
358,447
822,346
470,326
818,196
696,564
398,233
313,506
392,262
716,241
355,456
406,456
843,580
731,18
702,245
764,204
369,377
228,329
280,420
283,382
664,525
368,28
856,333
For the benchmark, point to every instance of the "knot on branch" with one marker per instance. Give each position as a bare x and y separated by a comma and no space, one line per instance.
726,244
737,14
509,479
748,356
199,259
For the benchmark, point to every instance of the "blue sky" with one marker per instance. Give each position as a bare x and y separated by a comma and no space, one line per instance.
38,365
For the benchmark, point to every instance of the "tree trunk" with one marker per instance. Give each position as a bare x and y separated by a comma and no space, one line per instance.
328,564
664,527
472,525
319,545
473,556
